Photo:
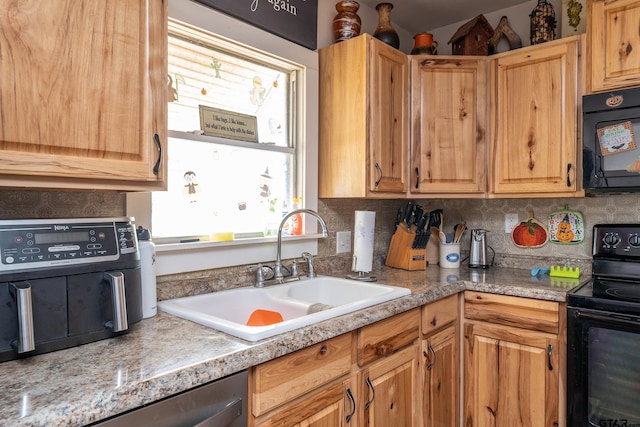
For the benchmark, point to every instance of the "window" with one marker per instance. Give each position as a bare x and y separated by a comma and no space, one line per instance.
231,182
285,160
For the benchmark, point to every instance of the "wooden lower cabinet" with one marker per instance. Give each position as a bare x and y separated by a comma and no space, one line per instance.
405,371
368,377
440,386
388,391
441,363
514,361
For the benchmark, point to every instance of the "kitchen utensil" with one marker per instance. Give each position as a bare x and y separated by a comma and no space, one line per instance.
458,231
439,234
478,249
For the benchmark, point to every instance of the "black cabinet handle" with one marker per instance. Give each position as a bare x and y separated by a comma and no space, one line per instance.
373,393
569,166
549,351
353,404
432,362
417,178
156,167
379,169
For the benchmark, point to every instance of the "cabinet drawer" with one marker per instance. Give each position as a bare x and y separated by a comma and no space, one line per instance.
439,313
386,336
526,313
287,377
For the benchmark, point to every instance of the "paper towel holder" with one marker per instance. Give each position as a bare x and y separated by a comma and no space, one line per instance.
362,276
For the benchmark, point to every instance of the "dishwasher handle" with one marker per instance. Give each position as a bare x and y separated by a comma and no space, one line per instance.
225,416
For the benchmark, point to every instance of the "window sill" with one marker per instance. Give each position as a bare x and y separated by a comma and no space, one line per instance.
174,258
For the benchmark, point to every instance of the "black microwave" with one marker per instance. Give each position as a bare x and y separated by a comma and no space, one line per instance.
611,141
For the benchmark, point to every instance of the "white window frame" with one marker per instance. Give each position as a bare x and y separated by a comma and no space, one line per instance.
185,257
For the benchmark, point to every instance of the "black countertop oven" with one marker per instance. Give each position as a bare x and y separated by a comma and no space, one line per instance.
611,149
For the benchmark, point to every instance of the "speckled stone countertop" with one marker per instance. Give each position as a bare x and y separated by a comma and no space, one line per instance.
165,355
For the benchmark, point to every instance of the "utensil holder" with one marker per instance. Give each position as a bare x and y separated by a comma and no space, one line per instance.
402,255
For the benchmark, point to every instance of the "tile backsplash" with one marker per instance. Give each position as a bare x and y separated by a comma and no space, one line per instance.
339,215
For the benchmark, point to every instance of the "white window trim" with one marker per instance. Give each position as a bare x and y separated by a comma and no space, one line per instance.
185,257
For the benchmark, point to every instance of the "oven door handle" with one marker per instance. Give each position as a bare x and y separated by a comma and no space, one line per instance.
610,317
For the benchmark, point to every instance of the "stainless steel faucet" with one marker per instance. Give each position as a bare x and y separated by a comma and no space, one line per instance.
277,270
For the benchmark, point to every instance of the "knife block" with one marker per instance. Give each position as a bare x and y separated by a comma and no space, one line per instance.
402,255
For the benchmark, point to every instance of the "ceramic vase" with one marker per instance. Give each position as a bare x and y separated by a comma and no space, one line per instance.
424,44
346,23
385,30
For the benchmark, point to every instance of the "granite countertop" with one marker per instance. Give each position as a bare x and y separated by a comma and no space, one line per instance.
165,355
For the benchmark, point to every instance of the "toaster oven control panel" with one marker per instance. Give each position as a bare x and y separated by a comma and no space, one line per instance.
45,243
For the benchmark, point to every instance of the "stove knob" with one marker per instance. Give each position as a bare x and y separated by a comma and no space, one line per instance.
634,240
611,239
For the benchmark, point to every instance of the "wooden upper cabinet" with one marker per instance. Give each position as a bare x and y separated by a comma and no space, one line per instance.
448,126
534,121
83,94
364,103
613,43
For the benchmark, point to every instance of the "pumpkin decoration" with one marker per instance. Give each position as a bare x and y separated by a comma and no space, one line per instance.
564,233
566,226
529,233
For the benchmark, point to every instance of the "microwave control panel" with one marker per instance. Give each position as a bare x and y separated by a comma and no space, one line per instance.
46,243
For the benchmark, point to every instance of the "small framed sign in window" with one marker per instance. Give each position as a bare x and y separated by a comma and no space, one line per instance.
294,20
228,124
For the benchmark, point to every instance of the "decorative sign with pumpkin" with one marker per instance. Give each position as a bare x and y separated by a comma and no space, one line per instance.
529,233
566,226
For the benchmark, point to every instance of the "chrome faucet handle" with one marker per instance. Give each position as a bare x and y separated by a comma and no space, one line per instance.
309,258
294,268
260,274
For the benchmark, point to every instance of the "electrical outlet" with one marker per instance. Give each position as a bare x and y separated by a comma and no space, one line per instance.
510,222
343,242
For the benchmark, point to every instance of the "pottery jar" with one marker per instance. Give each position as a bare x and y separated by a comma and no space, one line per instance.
346,24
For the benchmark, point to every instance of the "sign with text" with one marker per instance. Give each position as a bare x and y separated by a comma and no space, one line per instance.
228,124
294,20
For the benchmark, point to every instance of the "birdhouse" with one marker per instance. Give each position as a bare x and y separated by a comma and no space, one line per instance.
472,38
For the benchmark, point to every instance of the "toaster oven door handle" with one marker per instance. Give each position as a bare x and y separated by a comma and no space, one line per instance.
119,322
22,293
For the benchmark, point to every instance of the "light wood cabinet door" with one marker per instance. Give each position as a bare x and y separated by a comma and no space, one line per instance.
83,94
363,127
389,390
389,121
441,378
511,377
613,43
331,407
534,121
449,126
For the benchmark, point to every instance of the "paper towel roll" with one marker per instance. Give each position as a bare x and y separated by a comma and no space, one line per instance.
363,241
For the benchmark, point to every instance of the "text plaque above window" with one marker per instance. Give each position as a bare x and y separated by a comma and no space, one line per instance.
294,20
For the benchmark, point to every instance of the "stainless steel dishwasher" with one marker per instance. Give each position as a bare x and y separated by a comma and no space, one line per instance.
222,403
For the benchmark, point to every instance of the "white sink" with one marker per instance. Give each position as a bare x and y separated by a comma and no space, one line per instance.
301,303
